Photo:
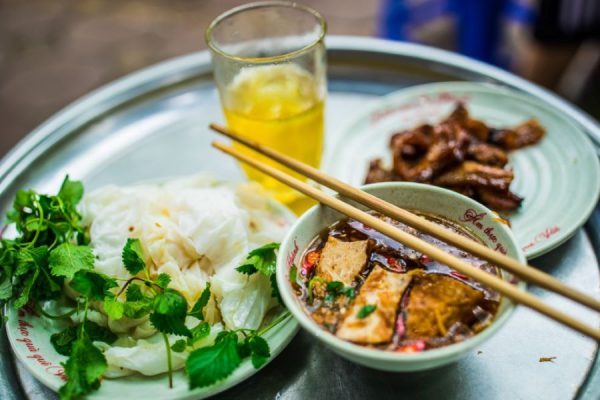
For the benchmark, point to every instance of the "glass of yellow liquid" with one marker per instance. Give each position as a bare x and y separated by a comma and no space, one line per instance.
270,69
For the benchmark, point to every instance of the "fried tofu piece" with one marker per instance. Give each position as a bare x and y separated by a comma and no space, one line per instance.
436,302
384,290
342,261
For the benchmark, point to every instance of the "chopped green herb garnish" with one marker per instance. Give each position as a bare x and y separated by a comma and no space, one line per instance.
365,311
132,256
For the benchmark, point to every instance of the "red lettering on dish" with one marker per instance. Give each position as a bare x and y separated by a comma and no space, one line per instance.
474,218
29,344
40,360
542,236
23,327
57,371
292,256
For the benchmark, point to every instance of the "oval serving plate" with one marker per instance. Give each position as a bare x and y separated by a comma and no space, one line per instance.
559,177
29,336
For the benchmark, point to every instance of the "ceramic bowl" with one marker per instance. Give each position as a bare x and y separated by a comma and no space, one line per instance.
447,204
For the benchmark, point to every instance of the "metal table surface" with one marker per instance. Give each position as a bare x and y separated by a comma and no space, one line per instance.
153,124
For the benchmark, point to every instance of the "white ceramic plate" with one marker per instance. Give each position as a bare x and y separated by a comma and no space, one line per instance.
559,177
29,337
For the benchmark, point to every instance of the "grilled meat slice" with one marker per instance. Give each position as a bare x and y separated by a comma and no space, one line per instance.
471,173
378,173
529,132
487,154
502,200
474,127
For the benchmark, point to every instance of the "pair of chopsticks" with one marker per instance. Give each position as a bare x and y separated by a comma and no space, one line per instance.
523,271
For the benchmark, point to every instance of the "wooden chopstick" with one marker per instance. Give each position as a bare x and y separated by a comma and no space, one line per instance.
523,271
493,282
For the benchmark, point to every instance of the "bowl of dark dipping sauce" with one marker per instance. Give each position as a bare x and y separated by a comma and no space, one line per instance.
382,304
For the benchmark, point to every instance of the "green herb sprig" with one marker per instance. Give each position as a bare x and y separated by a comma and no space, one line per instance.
51,245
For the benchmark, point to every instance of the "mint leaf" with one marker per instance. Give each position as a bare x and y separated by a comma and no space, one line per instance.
170,310
132,256
179,346
201,303
83,369
63,340
25,290
67,259
163,280
31,259
5,288
71,192
260,351
209,365
139,308
137,304
134,292
92,285
365,311
199,332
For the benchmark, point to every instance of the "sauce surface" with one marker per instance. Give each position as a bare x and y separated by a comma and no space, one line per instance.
438,307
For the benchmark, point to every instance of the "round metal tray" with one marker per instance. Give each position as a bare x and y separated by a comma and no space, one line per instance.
153,124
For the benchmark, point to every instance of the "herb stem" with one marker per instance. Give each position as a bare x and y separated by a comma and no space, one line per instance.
169,361
37,231
61,316
279,319
135,278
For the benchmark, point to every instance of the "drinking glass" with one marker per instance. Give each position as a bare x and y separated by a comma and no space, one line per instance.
270,69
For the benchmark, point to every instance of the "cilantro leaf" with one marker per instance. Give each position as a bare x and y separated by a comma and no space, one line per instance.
201,303
163,280
92,285
137,304
67,259
209,365
170,310
260,351
132,256
247,269
179,346
71,192
113,308
83,369
262,259
365,311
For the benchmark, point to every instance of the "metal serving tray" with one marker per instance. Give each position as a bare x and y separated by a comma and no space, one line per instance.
154,124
